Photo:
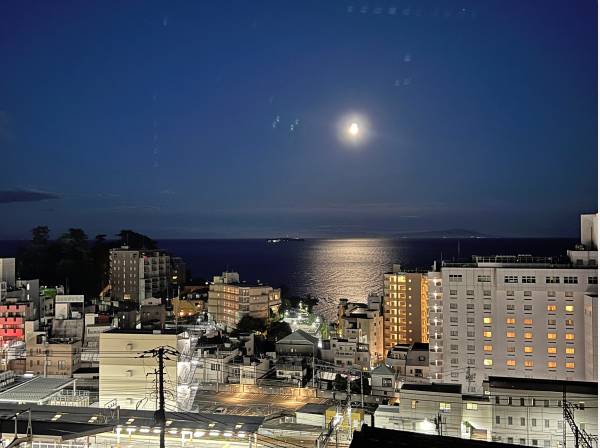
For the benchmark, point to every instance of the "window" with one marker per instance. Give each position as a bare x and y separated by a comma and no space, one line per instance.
484,278
454,361
533,422
453,319
487,334
510,420
470,292
568,293
572,280
487,293
551,307
470,348
528,279
552,279
569,336
510,293
510,349
413,404
510,307
528,349
510,334
523,421
487,320
487,348
487,362
470,334
551,350
470,362
570,365
454,306
455,278
470,306
551,321
547,405
453,346
445,407
546,423
497,419
551,336
569,308
511,279
511,362
552,364
527,321
472,406
510,440
453,292
593,280
570,350
551,293
527,307
522,401
487,307
528,363
510,320
569,322
527,293
528,335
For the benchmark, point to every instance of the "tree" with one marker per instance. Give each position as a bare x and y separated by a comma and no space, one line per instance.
278,330
248,324
355,385
340,382
136,240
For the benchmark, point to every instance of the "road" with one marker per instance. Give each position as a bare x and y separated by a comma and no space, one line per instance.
246,403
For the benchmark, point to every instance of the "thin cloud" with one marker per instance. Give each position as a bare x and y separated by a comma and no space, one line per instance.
11,196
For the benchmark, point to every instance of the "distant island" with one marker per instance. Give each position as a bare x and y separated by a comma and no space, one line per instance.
450,233
283,240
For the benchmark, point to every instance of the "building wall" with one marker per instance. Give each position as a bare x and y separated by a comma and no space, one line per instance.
7,271
62,359
491,326
405,297
123,373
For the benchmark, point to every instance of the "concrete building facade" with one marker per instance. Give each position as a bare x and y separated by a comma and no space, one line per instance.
405,301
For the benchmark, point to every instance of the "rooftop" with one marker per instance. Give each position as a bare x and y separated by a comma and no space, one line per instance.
35,390
574,387
368,437
434,387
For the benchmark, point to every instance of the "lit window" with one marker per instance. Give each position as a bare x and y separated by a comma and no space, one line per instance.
487,334
569,336
528,349
527,321
551,308
510,349
510,334
413,404
528,363
472,406
552,350
511,362
570,365
552,336
570,350
487,362
510,320
487,348
445,407
528,335
569,308
552,364
487,320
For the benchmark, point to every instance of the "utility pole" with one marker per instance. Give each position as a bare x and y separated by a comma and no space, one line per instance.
161,353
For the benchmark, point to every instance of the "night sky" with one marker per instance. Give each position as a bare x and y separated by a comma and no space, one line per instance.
222,119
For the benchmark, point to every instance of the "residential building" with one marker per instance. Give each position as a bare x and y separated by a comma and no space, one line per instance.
229,300
404,307
123,370
383,381
138,274
346,353
298,343
514,316
52,356
363,323
409,361
7,272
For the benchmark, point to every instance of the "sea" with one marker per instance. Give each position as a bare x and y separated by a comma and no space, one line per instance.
331,269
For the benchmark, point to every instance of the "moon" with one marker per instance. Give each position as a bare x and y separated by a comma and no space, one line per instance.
354,129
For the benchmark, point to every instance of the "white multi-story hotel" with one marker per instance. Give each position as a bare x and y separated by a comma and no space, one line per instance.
516,316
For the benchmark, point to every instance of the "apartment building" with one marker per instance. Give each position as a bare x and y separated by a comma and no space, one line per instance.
346,353
52,356
409,361
229,300
363,323
514,316
138,274
124,373
405,301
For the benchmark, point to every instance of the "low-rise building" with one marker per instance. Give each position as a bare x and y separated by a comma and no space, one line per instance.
363,323
345,353
409,361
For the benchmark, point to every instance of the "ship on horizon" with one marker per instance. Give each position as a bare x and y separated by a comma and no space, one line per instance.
283,240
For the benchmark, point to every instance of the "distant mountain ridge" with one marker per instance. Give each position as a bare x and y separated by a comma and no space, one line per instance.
449,233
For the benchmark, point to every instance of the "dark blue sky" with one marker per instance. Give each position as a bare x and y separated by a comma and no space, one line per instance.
174,118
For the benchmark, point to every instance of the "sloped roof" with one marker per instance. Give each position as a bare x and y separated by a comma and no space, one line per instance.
382,369
298,337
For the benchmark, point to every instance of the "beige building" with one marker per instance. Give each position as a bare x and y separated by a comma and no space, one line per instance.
229,300
123,373
363,323
52,356
404,307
